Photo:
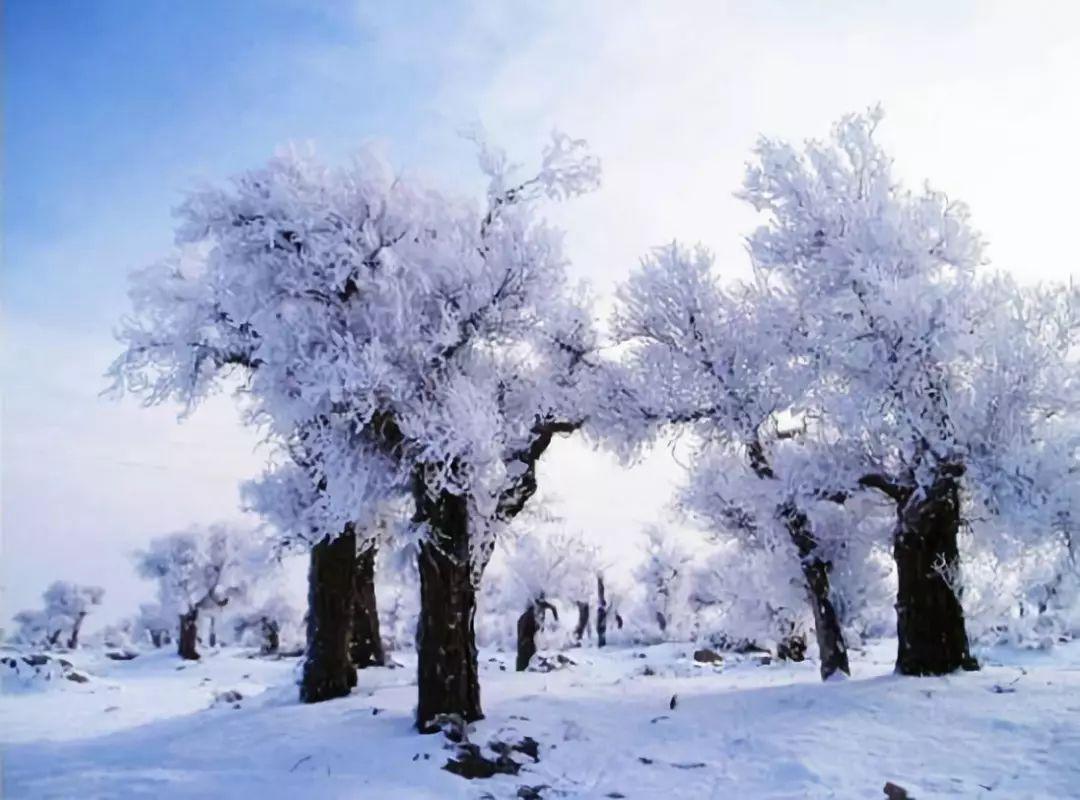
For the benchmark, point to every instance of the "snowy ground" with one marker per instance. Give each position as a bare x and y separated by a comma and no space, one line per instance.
151,728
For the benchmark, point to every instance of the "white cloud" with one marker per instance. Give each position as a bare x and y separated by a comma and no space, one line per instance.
981,99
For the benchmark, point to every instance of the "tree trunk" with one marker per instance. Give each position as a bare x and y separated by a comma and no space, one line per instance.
328,671
582,621
271,636
213,631
366,649
929,617
156,638
73,640
792,648
601,613
447,672
832,650
528,626
189,635
526,636
830,637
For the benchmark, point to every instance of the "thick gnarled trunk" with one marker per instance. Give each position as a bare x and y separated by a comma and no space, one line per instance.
929,618
328,670
830,637
189,636
447,671
366,649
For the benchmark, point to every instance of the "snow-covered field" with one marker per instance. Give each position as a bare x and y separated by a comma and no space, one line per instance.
152,727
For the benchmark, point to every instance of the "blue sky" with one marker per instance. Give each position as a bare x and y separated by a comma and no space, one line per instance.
113,108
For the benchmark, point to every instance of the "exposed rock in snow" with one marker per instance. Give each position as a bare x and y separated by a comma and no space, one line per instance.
36,672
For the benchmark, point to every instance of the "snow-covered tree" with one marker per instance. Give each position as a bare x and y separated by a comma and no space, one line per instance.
544,566
398,589
744,591
608,606
724,360
862,571
66,606
664,575
33,629
748,589
200,570
119,634
265,623
154,624
343,620
394,340
1019,592
952,392
579,586
865,354
751,597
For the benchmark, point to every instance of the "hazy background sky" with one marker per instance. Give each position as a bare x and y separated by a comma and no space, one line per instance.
113,108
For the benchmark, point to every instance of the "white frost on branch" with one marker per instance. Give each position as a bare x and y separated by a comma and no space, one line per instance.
386,333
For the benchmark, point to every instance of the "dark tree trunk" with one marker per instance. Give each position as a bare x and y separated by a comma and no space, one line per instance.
271,636
527,627
328,671
830,637
156,638
526,636
832,649
792,648
213,631
601,613
189,635
1051,590
661,620
73,640
366,649
929,617
447,679
582,621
